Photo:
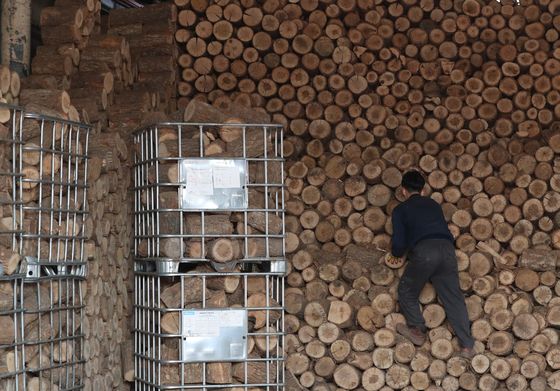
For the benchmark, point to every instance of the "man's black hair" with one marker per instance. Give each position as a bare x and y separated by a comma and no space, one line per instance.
413,181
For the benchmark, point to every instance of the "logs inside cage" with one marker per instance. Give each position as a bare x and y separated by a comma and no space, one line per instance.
221,291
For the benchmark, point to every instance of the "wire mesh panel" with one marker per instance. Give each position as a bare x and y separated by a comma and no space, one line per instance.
43,197
201,198
52,159
164,358
12,369
53,334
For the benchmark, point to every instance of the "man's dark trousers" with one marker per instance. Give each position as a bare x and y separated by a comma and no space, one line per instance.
434,260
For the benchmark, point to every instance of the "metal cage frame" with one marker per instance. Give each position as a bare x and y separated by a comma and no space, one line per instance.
55,246
265,164
258,228
47,307
150,337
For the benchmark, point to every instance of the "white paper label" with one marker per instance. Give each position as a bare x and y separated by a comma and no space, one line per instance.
233,318
201,324
226,177
199,180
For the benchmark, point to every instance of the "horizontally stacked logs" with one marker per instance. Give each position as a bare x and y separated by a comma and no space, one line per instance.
69,22
462,90
149,32
88,68
9,89
55,62
65,29
109,283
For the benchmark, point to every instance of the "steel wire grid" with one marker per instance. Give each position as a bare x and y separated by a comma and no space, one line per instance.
45,351
53,335
157,331
159,219
12,369
53,161
12,357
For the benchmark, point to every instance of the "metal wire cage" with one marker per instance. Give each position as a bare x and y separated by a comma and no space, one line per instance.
162,360
52,160
12,368
209,193
43,196
53,336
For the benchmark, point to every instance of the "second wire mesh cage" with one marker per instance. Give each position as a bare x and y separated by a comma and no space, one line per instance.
209,193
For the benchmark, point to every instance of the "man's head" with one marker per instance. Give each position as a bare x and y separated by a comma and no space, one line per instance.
412,182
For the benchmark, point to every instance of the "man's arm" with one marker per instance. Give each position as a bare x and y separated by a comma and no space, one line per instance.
399,234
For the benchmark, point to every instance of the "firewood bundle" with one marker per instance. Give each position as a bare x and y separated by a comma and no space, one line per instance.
149,32
9,89
65,28
69,22
465,91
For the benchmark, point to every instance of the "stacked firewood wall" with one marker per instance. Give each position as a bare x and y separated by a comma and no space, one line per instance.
467,91
149,32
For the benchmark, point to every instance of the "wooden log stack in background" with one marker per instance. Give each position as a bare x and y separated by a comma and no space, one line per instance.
110,282
149,32
468,92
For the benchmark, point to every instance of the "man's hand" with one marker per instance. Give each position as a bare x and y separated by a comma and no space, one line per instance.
393,262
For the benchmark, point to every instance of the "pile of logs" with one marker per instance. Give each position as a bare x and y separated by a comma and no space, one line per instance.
107,290
149,32
465,91
67,23
9,89
65,29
